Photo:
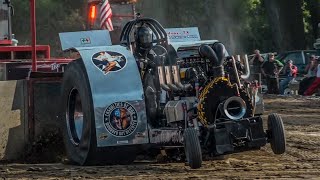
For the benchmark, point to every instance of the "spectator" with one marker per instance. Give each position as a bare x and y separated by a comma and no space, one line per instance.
310,76
256,61
315,84
311,68
290,71
271,69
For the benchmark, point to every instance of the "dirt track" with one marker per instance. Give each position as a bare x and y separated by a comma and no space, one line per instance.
302,159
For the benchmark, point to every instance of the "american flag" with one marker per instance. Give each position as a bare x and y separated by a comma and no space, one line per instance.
105,16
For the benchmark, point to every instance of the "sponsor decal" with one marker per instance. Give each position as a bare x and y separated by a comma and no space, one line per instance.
55,66
123,142
183,34
85,41
108,61
120,119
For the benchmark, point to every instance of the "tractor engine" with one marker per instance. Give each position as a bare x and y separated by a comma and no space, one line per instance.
194,85
200,87
167,99
205,93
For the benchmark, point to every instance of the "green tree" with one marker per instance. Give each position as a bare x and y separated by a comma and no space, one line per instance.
53,17
268,25
312,19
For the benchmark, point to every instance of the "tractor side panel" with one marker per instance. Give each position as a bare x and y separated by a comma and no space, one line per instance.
118,98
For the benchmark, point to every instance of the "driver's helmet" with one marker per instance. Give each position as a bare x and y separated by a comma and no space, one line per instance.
144,37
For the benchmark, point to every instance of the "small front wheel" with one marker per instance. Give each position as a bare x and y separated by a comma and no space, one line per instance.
192,148
276,136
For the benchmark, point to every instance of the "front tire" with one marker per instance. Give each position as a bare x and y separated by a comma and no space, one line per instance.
276,134
192,148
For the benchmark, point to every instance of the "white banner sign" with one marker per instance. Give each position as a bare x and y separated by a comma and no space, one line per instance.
183,34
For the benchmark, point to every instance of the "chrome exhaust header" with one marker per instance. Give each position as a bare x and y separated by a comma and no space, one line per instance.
247,68
162,79
236,72
168,74
177,79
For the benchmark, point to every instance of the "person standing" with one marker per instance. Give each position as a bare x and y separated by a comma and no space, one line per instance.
290,71
310,76
256,62
311,68
271,69
315,84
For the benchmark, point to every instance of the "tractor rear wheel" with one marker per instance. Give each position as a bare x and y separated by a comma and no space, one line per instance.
77,114
79,123
192,148
276,134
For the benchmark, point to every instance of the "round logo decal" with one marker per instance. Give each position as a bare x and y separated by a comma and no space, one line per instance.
120,119
108,61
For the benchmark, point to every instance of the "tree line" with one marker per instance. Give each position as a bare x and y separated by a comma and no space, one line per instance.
268,25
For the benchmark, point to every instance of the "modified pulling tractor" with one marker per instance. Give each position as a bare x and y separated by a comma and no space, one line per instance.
149,94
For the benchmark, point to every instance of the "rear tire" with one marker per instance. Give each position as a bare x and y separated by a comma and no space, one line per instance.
192,148
276,136
76,97
80,142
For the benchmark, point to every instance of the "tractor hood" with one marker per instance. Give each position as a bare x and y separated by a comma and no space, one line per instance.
80,39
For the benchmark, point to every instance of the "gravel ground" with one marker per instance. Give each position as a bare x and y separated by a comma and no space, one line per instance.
301,118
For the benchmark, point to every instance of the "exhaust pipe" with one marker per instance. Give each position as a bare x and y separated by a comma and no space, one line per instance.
177,79
168,74
162,79
220,50
234,108
217,61
161,73
246,67
236,72
208,52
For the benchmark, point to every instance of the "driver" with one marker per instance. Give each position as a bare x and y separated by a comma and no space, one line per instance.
143,38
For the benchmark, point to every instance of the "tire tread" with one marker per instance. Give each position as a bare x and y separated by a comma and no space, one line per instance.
192,143
278,140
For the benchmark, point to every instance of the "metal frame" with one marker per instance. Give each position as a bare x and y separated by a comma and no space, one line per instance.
5,42
34,33
45,48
